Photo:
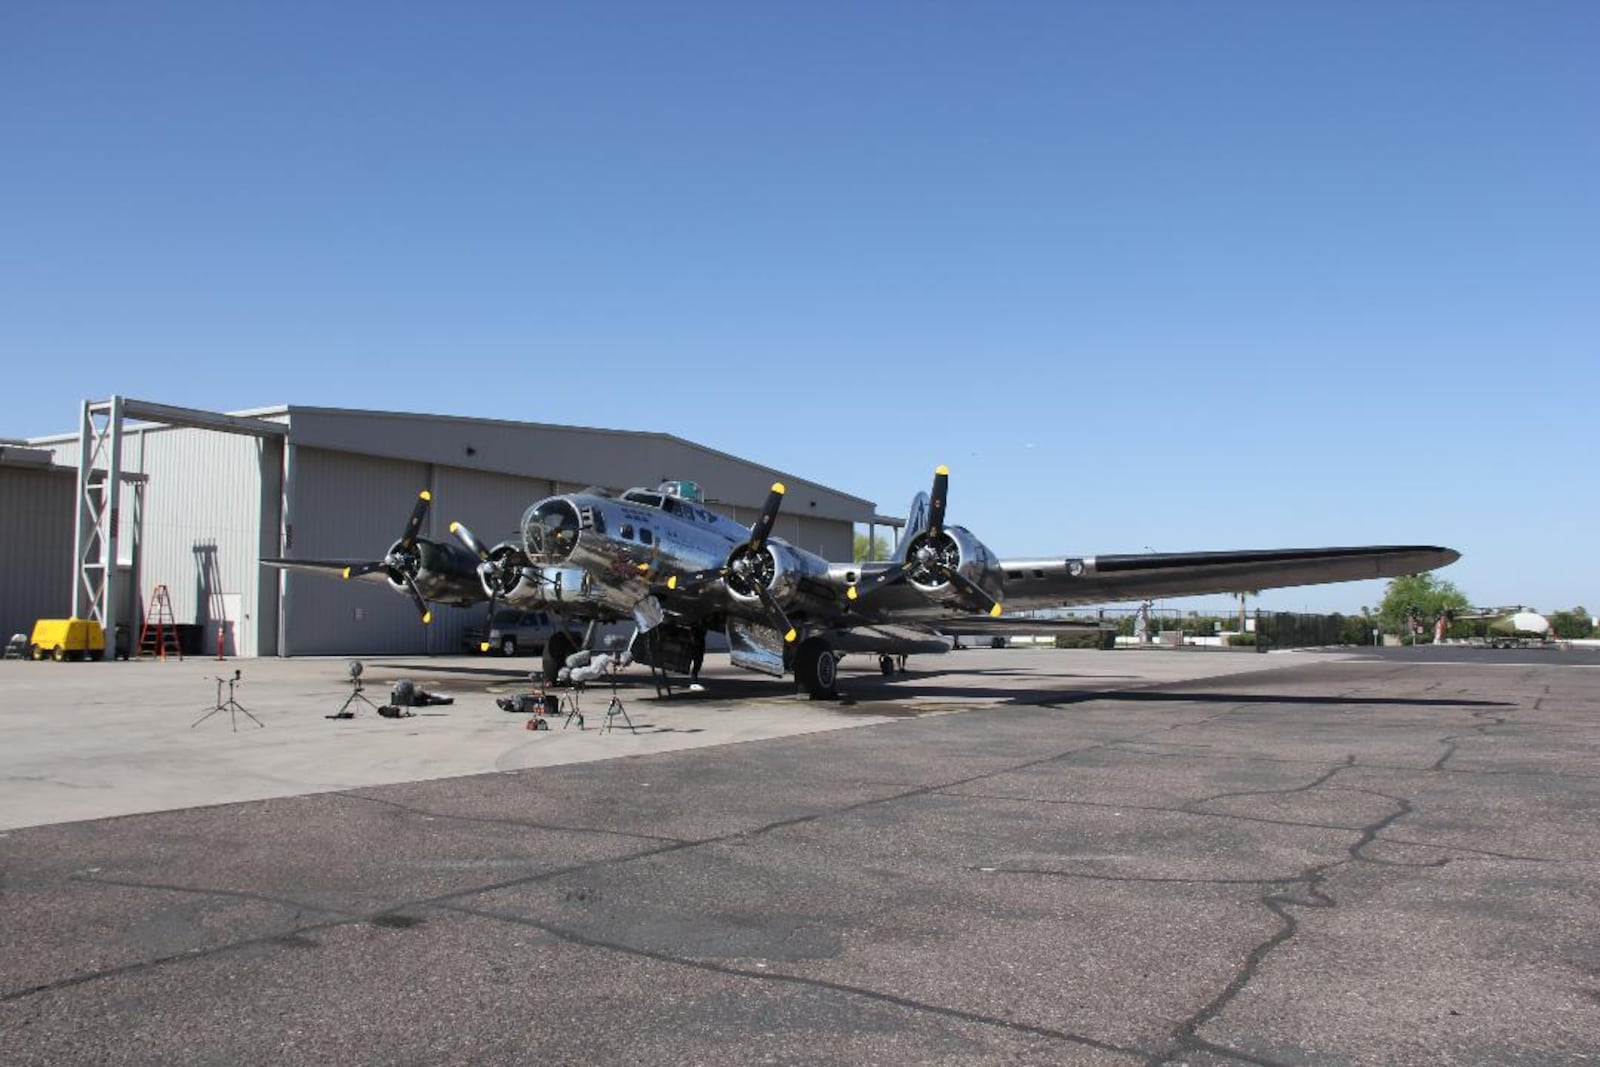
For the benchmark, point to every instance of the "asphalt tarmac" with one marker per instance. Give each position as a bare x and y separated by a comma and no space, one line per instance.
1072,857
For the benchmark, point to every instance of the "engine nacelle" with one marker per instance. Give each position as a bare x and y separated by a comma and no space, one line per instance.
956,548
427,561
793,576
439,570
508,576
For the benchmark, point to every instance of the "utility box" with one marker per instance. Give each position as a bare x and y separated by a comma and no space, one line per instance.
63,639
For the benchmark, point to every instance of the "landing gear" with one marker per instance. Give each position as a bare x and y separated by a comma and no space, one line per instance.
886,665
508,646
556,650
816,669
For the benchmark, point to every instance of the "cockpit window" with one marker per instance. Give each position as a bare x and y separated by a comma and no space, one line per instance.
641,496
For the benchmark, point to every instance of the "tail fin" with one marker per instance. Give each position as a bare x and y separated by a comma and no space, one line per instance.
916,522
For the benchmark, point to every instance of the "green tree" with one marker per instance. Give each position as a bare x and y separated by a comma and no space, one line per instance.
880,548
1572,625
1425,594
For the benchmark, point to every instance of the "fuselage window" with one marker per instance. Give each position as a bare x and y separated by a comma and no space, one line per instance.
645,536
626,531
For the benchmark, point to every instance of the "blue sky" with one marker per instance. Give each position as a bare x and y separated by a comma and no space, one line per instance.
1169,275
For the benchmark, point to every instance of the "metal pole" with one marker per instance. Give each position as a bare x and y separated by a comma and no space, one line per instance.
113,502
84,525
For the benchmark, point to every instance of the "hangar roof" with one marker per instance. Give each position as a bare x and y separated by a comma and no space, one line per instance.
577,455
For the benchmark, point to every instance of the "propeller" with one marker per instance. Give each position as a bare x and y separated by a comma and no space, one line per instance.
748,568
932,555
476,547
403,561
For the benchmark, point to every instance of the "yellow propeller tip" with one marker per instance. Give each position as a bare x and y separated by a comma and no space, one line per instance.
425,495
790,636
427,617
672,583
995,611
851,593
644,566
941,470
454,526
484,647
777,487
347,572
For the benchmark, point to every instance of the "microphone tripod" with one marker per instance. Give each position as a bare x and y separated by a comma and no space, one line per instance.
231,706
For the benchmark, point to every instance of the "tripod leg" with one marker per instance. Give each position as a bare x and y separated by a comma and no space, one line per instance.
218,706
206,716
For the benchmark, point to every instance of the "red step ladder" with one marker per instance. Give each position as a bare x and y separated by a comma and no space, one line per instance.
160,633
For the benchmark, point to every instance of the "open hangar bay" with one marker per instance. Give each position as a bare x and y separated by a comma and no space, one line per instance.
205,496
1015,856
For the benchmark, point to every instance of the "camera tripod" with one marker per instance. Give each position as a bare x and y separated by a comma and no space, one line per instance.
616,710
231,706
356,694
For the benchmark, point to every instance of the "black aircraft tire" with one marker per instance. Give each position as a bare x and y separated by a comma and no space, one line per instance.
816,669
556,651
508,646
886,665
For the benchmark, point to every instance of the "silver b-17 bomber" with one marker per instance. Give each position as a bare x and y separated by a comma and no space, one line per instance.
661,558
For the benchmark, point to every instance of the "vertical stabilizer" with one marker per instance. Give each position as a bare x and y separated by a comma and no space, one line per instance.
916,522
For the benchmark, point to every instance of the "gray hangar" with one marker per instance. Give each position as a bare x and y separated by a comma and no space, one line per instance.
205,497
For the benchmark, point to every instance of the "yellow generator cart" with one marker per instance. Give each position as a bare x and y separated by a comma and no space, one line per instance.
73,639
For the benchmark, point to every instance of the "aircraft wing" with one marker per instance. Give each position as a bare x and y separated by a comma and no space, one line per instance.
332,567
1109,579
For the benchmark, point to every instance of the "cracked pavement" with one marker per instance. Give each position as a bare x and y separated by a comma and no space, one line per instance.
1382,859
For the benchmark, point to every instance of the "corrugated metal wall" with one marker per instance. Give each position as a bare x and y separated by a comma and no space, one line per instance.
350,506
202,528
345,506
35,547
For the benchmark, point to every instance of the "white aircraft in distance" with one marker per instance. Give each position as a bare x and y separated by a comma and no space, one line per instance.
663,559
1513,627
